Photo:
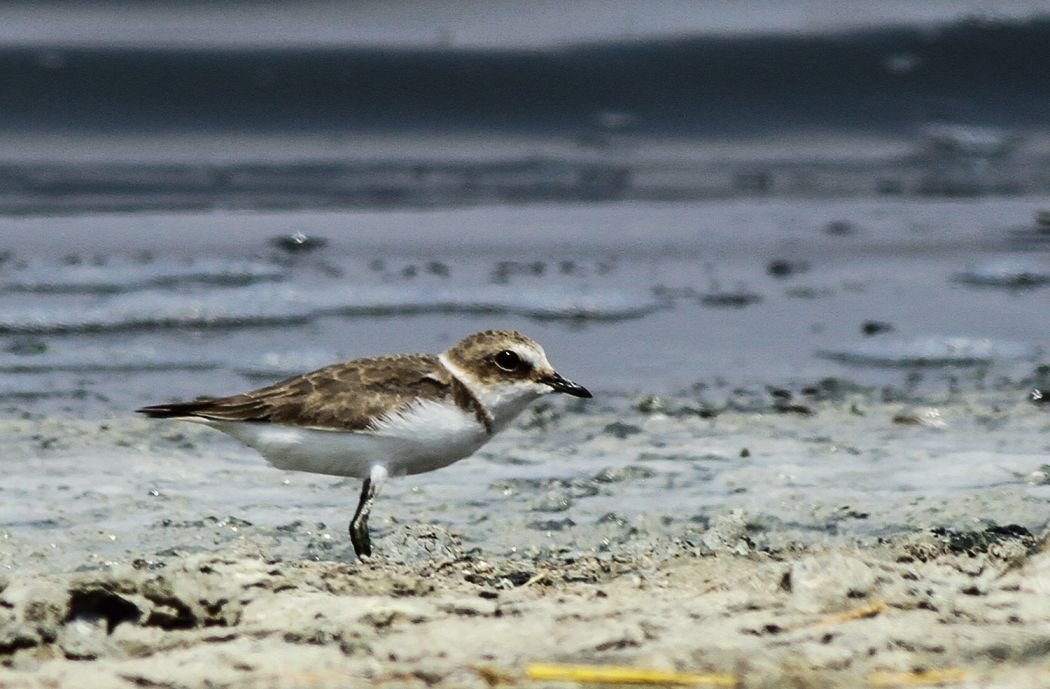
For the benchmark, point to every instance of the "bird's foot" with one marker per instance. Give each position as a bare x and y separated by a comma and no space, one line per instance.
359,537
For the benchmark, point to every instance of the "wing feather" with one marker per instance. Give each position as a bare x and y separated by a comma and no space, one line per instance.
347,396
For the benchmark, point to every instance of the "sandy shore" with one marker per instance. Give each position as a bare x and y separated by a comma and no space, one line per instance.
841,617
859,539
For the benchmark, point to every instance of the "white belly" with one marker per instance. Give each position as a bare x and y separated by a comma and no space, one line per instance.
424,437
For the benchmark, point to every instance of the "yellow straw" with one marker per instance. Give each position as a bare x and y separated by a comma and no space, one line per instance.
608,674
911,679
850,615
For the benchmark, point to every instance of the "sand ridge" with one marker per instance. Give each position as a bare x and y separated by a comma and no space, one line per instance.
829,540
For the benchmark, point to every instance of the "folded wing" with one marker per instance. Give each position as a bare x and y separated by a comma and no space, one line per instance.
347,396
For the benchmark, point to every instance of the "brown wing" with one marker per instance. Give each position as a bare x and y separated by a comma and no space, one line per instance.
344,396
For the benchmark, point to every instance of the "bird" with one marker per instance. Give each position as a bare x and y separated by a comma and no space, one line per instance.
376,417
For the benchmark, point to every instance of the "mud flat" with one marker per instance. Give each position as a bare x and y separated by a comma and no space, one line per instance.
827,537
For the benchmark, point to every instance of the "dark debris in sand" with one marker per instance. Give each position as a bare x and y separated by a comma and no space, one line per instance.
822,618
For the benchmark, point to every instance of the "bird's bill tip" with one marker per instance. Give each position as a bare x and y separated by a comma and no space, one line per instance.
558,383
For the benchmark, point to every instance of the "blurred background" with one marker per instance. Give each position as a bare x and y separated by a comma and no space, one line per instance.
674,197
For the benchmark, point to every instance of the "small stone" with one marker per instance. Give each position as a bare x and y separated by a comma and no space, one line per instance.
870,328
730,300
623,473
437,268
827,582
554,501
728,534
552,525
27,347
298,242
927,417
839,228
421,543
469,607
780,268
650,404
621,430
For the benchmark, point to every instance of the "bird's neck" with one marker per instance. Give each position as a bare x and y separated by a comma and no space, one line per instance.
500,401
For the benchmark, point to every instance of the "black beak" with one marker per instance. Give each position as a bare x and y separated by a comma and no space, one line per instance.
559,384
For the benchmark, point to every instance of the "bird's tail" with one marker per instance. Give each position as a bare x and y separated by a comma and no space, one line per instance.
175,409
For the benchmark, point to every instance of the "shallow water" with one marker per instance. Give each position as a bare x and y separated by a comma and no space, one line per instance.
625,296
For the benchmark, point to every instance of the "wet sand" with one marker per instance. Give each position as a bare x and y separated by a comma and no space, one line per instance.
836,538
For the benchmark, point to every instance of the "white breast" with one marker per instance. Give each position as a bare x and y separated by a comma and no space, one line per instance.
424,436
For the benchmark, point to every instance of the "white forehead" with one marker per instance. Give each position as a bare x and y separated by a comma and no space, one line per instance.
528,351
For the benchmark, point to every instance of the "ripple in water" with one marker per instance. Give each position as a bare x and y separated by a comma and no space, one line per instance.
268,304
932,351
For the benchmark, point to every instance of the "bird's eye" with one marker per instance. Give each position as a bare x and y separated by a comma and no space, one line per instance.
508,360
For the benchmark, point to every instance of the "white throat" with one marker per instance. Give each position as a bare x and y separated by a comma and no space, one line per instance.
504,401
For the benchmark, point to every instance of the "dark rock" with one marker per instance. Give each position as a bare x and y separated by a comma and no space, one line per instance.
781,268
506,269
540,416
650,404
1004,541
622,430
437,268
753,181
800,409
27,347
730,300
421,543
101,602
839,228
623,473
875,327
576,487
728,533
831,389
297,243
552,525
554,501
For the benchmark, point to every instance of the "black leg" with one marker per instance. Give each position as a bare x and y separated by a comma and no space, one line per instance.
359,524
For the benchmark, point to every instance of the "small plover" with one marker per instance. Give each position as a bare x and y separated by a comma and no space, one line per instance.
385,416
